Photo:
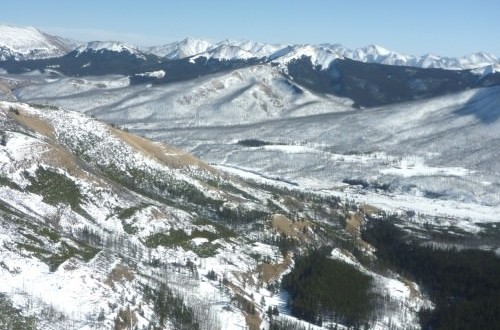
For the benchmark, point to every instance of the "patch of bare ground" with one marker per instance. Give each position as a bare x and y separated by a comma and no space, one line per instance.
60,157
34,123
163,153
412,286
353,224
157,214
119,274
369,209
353,227
56,155
253,321
4,88
270,272
295,229
266,272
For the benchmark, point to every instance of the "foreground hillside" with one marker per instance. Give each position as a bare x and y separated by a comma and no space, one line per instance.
103,229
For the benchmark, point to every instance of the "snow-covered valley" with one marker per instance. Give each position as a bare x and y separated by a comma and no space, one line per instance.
435,156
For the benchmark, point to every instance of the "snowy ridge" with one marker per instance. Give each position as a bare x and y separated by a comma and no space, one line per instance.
243,96
178,50
324,54
321,55
111,46
23,43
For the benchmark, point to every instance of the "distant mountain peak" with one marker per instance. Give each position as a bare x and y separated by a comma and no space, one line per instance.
113,46
187,47
23,43
379,50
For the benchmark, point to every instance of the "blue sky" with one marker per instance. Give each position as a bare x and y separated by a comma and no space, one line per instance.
444,27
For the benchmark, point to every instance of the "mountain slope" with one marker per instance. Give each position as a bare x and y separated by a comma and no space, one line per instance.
28,43
421,151
436,156
241,96
97,222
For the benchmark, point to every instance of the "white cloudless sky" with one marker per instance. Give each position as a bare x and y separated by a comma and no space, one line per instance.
443,27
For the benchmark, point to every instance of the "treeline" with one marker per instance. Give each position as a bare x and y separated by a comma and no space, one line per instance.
464,285
253,143
322,288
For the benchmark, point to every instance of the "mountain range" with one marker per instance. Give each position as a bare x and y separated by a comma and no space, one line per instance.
28,43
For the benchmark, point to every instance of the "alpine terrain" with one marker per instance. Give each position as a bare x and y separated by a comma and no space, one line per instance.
200,185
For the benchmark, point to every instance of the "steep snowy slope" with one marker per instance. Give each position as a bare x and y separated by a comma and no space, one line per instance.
23,43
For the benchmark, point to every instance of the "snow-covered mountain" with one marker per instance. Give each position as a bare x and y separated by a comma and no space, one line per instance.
321,55
109,46
241,50
324,54
182,49
26,43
